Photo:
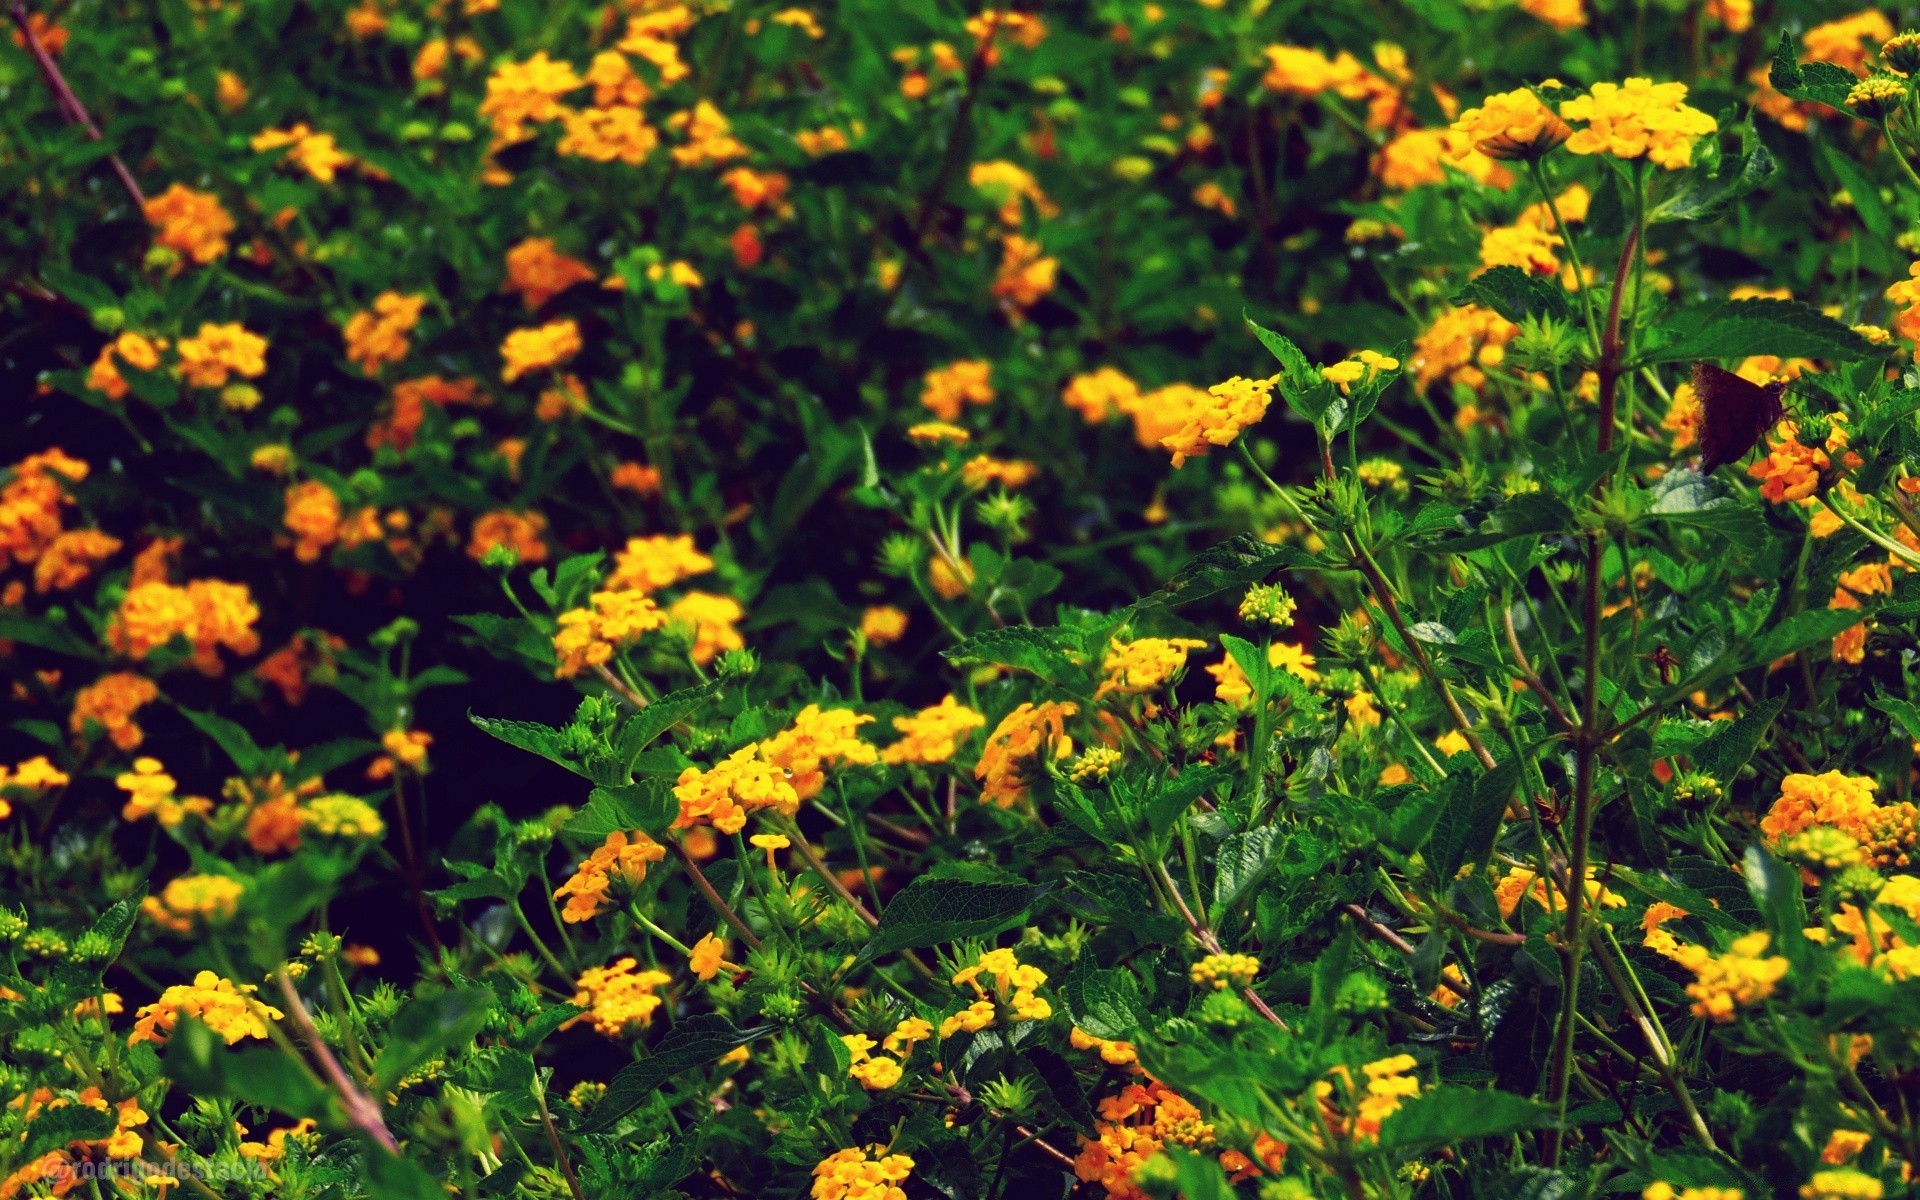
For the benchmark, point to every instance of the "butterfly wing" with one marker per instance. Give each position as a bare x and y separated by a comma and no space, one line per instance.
1734,415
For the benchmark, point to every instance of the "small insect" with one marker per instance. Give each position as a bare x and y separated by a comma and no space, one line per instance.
1734,414
1663,658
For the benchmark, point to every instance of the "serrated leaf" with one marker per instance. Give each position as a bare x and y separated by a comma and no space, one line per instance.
1469,820
648,805
1448,1114
1517,295
1813,82
1240,862
1733,329
1733,742
1684,497
425,1027
1045,652
544,740
928,912
1530,514
1105,1002
1178,794
641,729
231,737
1233,564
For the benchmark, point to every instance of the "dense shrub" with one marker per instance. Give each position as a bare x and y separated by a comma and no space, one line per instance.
877,601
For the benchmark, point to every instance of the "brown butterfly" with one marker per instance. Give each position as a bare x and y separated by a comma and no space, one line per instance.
1734,414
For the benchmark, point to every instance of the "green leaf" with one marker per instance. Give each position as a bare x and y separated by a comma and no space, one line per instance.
231,738
1732,329
56,1127
1813,82
647,805
1165,807
1517,295
1328,971
1293,363
1708,190
1530,514
544,740
1240,862
1684,497
1860,187
1904,712
1732,743
1776,889
543,1026
693,1042
200,1061
425,1027
645,726
1041,651
1449,1114
1467,825
930,911
1233,564
1107,1003
1799,631
73,981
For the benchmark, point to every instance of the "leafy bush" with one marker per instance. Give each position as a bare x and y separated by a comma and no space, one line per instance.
882,601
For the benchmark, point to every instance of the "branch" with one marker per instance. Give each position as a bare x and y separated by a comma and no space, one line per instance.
68,103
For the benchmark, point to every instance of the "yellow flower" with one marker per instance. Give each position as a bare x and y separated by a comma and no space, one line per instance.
932,734
983,469
725,793
1527,247
1840,801
713,620
379,334
193,223
543,346
524,533
1512,125
709,955
817,739
1843,1184
619,997
1007,184
226,1008
1561,14
216,353
1635,119
192,899
526,92
1137,667
1420,156
314,153
617,134
1461,345
856,1174
648,564
1025,275
1218,419
1021,735
1099,395
109,703
1727,983
342,817
539,271
608,875
208,613
1222,971
876,1074
883,625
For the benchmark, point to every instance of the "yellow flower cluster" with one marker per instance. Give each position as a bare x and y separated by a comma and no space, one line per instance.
109,703
1007,184
539,271
1421,156
1217,418
378,335
620,997
315,153
1020,736
1519,883
216,353
1361,366
1726,983
1791,471
856,1174
1836,800
883,625
35,775
208,613
1223,971
1843,1184
525,93
648,564
223,1006
588,637
342,817
1231,685
711,620
135,350
1113,1053
877,1073
1635,119
946,390
933,734
539,348
1135,1124
1512,125
194,899
1140,666
619,863
1013,985
191,223
70,557
1461,345
1661,1190
1303,71
1100,394
778,773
